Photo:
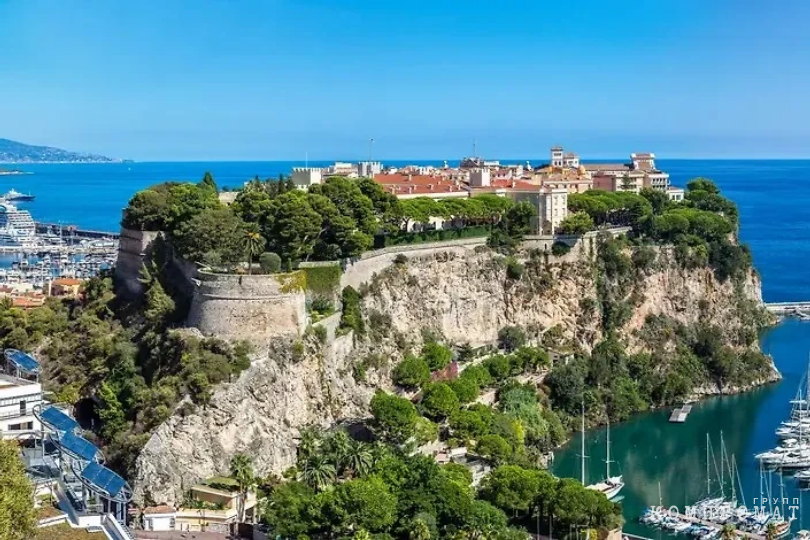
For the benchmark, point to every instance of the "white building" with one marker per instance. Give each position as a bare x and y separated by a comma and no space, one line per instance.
369,168
675,194
562,159
20,392
303,177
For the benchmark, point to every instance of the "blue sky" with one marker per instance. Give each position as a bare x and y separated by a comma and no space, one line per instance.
277,79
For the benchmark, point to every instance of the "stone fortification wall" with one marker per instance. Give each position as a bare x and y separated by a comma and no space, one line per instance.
133,248
243,307
360,270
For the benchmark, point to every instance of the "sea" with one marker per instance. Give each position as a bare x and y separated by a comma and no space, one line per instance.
773,197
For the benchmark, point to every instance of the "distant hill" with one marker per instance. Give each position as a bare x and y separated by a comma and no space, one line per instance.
17,152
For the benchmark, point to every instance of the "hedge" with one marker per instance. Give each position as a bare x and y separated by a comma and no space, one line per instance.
404,238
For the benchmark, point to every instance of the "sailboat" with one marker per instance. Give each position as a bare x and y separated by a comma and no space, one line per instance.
611,485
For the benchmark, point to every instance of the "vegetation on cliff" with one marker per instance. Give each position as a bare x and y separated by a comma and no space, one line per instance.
125,358
343,486
17,514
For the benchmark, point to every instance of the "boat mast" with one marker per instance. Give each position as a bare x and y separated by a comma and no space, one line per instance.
708,474
722,464
582,429
607,461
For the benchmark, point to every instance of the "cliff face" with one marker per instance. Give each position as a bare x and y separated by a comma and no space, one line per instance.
259,415
466,295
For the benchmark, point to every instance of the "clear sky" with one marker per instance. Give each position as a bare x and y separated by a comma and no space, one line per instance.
279,79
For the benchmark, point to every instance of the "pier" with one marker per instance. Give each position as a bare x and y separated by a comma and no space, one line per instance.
679,415
790,309
71,231
715,526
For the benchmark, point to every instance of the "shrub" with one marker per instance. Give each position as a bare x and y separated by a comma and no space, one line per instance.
498,366
478,374
439,401
436,355
465,389
514,270
495,448
558,249
411,372
351,316
322,305
401,258
270,263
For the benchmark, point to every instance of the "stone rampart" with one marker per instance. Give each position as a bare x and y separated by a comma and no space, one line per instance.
133,248
256,308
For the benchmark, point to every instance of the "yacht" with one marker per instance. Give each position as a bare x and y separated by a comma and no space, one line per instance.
17,227
14,195
611,485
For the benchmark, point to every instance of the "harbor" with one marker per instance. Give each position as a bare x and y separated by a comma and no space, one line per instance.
648,450
32,255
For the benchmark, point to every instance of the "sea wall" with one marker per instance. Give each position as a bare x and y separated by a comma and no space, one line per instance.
256,308
134,247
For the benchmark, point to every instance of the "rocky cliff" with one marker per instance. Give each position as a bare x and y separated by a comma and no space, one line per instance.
465,295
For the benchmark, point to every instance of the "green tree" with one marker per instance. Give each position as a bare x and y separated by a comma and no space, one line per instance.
288,509
436,355
394,416
511,338
110,411
729,532
576,224
439,401
465,389
468,424
412,372
511,488
358,459
494,448
208,183
295,226
366,503
658,199
241,468
17,514
518,219
213,229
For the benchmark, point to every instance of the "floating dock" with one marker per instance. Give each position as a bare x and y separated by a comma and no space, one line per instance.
679,415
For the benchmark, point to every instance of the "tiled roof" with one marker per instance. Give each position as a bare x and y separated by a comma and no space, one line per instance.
605,167
67,282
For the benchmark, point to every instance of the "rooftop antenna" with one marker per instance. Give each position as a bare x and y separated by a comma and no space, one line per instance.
475,151
370,145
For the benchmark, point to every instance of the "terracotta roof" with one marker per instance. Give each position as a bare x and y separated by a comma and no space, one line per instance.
605,167
26,302
67,282
162,509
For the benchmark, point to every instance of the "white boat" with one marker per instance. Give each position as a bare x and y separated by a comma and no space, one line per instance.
611,485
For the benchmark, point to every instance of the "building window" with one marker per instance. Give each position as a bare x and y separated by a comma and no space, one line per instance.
22,407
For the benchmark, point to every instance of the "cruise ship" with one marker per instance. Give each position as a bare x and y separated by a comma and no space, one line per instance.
17,227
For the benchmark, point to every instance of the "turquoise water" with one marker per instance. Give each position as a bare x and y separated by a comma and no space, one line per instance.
648,449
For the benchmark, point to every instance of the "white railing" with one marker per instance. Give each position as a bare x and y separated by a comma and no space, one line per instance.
115,529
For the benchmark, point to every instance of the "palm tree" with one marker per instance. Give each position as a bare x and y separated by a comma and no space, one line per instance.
358,458
361,534
242,471
770,531
309,440
254,245
419,530
728,532
338,448
317,472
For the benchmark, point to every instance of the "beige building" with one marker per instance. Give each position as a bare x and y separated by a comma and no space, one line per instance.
212,509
